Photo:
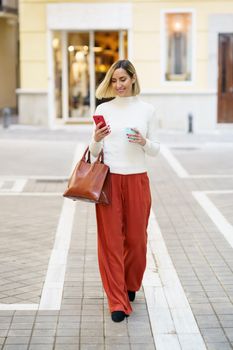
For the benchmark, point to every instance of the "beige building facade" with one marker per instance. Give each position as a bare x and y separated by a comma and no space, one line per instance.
182,52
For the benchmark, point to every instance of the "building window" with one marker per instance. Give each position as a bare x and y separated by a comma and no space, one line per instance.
178,46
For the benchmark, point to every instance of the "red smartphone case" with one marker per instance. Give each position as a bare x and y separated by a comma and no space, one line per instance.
99,119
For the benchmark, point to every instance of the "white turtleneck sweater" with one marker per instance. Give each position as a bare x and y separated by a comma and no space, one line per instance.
122,156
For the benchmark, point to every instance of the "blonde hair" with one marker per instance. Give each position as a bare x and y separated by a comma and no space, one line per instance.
105,89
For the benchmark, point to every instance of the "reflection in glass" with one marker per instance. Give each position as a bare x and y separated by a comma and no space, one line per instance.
178,46
225,45
57,57
106,53
78,61
125,44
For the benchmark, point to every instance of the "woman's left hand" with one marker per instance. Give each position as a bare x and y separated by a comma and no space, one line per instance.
137,138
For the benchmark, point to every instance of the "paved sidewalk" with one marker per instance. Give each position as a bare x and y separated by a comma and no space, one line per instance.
192,170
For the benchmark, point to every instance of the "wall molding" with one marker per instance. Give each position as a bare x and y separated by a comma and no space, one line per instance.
31,91
89,16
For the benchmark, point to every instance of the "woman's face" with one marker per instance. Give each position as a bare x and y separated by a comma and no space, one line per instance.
122,83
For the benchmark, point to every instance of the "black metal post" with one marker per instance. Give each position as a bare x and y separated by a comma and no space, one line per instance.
190,123
6,112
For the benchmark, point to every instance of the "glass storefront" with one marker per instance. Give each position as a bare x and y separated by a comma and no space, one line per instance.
80,61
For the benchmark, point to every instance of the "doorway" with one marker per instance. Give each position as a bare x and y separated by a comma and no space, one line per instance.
225,78
81,60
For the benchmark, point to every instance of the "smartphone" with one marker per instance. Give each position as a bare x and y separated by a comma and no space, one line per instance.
99,119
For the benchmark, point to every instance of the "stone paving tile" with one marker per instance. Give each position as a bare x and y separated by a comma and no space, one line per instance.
2,340
23,319
142,346
42,340
72,332
141,340
91,347
3,332
223,308
5,319
17,340
66,347
44,332
226,320
4,326
92,340
15,347
41,347
208,321
219,346
19,333
47,325
118,347
213,335
229,333
67,340
117,340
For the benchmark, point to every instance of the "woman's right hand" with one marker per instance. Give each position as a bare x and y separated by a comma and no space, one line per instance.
101,133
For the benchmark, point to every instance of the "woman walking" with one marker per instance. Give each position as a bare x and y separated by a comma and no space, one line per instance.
122,225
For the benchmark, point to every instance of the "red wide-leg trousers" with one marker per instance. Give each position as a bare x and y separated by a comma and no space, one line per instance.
122,238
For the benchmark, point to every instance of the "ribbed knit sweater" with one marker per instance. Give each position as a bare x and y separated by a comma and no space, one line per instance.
120,155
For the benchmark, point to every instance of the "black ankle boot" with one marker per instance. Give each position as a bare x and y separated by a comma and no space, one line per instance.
131,295
118,316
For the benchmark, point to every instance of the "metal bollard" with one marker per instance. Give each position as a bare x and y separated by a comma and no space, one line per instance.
6,112
190,123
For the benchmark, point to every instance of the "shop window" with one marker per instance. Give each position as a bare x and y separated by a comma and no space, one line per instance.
178,46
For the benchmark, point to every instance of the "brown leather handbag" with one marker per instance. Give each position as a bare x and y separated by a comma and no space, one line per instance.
90,181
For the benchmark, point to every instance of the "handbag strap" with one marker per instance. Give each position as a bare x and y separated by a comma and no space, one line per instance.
100,158
88,155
